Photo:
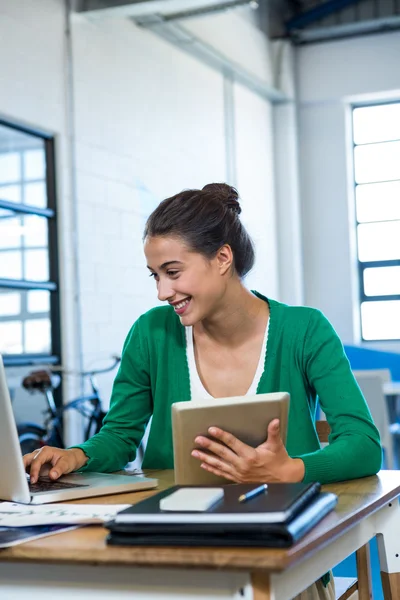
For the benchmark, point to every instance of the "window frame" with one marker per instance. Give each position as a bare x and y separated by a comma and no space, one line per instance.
53,284
362,266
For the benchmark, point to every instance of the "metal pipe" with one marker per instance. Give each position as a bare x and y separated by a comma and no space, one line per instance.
71,136
346,30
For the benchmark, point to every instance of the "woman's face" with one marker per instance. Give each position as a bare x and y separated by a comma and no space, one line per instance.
189,282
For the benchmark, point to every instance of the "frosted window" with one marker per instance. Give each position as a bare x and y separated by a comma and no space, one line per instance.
35,231
378,201
377,162
10,265
382,281
11,231
10,304
38,301
11,193
37,336
36,265
10,167
379,241
26,316
376,123
35,194
10,337
380,320
34,164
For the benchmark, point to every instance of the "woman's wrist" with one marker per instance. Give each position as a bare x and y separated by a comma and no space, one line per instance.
294,471
80,458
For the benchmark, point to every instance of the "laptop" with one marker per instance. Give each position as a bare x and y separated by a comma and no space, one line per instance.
246,417
14,482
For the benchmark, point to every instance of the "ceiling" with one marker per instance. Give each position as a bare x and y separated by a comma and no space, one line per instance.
302,21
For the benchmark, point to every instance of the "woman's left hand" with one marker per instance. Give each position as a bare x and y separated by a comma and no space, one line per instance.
238,462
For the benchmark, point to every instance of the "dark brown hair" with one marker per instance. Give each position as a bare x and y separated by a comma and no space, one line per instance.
205,220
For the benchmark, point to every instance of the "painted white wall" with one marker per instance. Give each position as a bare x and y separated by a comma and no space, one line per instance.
286,169
255,181
149,121
361,65
330,76
288,205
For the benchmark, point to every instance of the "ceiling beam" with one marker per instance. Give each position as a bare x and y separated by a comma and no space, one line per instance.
191,44
100,9
346,30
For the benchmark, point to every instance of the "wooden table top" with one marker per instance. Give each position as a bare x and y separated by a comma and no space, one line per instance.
357,499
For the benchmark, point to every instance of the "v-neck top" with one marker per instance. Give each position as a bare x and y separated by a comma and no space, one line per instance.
197,389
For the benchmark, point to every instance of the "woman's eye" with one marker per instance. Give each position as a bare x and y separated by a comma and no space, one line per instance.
153,275
172,273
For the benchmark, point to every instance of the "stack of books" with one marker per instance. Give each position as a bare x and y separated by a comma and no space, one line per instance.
257,515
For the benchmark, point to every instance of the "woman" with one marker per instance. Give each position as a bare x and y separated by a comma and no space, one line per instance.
216,338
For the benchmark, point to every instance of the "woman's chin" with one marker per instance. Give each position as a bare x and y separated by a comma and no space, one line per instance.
188,320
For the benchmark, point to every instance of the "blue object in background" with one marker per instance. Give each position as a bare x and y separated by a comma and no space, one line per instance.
366,358
348,568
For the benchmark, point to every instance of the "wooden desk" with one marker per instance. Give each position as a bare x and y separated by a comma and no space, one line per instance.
78,564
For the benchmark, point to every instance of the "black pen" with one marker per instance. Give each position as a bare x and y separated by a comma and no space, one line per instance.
256,492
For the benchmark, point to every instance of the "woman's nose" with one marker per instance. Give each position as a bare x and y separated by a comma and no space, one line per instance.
164,290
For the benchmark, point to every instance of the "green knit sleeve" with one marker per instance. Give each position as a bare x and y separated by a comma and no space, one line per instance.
354,448
130,410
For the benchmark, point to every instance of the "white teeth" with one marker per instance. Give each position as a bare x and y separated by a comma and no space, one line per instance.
181,304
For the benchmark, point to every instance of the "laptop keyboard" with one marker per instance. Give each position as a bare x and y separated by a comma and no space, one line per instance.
45,485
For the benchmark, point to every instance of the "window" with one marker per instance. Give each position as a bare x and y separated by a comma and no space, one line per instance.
29,303
376,136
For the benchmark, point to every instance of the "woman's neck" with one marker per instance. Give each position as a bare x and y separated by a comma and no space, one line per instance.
240,315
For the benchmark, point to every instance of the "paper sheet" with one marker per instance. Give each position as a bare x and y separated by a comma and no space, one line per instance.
22,515
12,536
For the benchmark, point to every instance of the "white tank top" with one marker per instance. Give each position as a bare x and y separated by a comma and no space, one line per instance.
197,389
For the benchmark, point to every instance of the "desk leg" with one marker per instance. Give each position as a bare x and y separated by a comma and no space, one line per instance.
388,536
363,560
260,582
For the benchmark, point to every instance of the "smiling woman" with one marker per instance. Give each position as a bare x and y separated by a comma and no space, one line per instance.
216,338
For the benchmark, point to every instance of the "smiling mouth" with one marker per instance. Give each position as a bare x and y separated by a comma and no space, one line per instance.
181,306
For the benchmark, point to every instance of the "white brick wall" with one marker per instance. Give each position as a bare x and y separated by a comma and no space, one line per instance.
149,121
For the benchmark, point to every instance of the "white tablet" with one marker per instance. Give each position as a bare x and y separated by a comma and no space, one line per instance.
246,417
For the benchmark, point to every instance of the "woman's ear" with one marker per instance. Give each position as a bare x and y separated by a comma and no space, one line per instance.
225,259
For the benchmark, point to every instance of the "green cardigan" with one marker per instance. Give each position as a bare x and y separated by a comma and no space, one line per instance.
304,357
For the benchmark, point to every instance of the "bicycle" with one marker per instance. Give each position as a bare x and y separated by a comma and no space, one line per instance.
33,436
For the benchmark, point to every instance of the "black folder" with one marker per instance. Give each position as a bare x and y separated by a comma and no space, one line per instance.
230,523
279,504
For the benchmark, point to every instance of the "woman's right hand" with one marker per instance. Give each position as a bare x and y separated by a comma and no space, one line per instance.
53,462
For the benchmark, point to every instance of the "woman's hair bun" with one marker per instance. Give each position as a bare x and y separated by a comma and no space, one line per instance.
226,194
205,220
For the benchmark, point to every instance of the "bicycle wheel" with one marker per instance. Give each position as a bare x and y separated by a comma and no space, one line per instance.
30,437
